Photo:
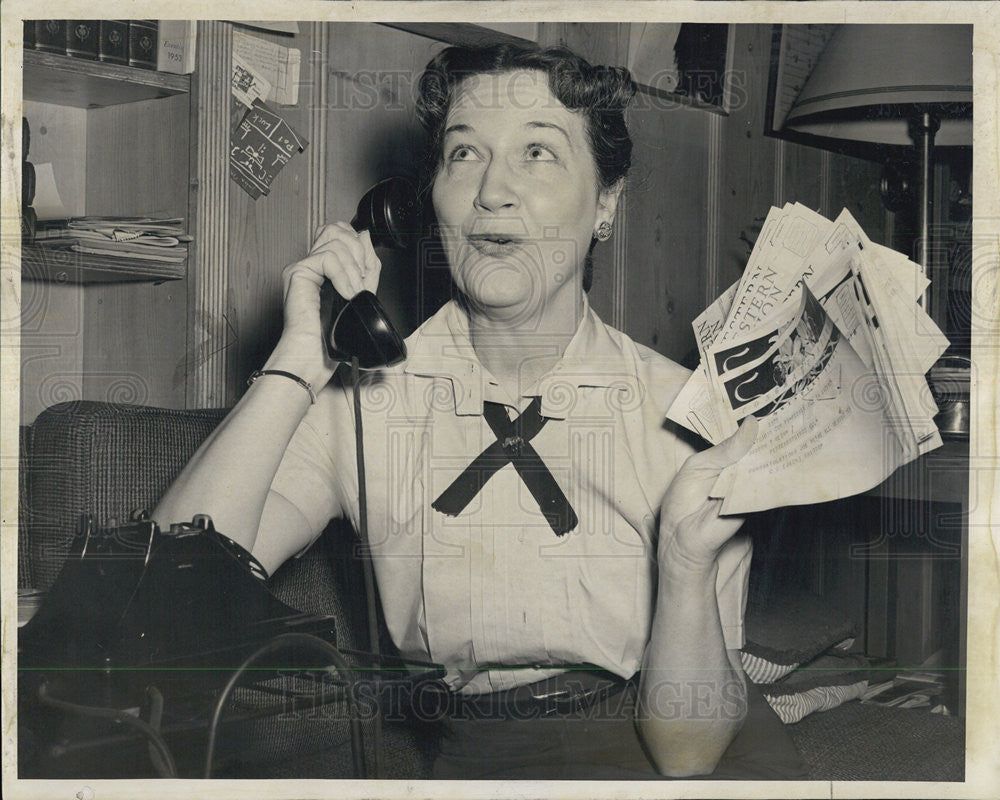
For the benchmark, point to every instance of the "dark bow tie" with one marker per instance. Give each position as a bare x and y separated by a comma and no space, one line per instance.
511,447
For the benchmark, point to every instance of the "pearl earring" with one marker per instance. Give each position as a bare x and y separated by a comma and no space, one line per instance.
604,231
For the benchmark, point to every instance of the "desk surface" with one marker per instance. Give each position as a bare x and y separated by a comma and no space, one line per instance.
266,716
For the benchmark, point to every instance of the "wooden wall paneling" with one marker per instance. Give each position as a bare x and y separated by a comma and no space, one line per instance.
843,574
668,199
801,176
209,338
52,314
134,343
598,42
747,188
372,134
136,156
51,352
318,88
651,284
134,335
854,185
468,33
713,209
268,233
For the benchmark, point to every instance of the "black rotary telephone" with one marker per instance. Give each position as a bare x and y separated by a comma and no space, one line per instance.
391,212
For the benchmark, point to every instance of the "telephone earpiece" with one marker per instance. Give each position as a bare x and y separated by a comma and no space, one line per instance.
390,212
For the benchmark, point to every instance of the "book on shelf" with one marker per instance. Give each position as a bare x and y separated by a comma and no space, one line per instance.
142,47
83,38
50,35
176,49
113,41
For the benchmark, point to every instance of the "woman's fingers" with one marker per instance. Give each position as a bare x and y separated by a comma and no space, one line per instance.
340,263
698,474
689,519
741,442
343,256
339,254
309,273
728,451
373,266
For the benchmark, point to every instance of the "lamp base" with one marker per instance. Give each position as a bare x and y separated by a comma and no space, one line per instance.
899,184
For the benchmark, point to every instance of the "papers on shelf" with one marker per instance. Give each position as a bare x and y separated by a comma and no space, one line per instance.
822,340
142,238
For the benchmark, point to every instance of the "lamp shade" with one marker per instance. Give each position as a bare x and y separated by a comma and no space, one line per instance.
870,79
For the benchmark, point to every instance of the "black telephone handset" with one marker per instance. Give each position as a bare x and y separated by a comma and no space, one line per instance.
390,212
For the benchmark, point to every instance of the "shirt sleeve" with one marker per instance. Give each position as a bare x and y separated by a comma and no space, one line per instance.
318,463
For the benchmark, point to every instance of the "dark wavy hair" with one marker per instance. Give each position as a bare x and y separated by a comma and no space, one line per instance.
599,93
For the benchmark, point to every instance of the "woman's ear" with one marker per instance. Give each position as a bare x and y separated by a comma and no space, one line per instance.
607,202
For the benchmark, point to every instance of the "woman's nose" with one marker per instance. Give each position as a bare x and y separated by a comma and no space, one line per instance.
496,189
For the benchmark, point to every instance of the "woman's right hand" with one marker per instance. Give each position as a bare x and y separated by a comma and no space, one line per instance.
692,531
347,259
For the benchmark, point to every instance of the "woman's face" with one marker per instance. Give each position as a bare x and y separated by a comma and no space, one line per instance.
517,195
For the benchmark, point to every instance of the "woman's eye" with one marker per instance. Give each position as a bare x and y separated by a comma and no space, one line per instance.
462,153
539,152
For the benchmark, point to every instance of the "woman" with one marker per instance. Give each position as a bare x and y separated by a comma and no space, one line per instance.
529,512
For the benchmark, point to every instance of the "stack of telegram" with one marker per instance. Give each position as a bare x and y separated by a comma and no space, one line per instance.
825,342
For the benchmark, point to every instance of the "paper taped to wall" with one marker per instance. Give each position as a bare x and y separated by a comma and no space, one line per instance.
278,66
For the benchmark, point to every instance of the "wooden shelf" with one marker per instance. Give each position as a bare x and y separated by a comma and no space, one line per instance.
66,266
81,83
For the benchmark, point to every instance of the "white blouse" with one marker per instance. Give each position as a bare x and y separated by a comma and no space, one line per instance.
493,593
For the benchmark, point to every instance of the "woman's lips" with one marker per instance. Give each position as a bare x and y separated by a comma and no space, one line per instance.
494,244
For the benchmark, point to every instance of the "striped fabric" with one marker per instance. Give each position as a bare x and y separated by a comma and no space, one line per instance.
760,670
793,707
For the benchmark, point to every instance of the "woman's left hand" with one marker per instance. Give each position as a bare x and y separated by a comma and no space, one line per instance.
691,529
